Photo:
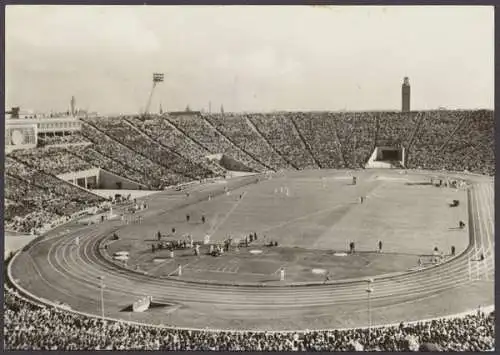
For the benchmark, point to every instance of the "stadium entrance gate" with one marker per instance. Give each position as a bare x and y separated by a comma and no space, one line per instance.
387,157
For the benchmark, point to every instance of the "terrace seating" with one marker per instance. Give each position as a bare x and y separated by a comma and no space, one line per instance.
238,130
319,129
159,129
70,139
125,133
159,176
52,160
102,161
280,132
169,150
205,135
39,197
34,327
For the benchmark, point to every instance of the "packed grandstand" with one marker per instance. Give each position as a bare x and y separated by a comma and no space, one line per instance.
168,150
162,151
29,326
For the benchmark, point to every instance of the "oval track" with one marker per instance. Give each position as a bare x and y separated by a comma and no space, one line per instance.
70,273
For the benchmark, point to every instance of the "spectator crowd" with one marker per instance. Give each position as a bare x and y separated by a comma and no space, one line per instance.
172,149
169,150
28,326
35,199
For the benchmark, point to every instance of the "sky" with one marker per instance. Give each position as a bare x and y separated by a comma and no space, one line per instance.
248,58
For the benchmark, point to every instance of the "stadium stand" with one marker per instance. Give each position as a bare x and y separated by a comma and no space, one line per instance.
65,140
123,132
168,150
52,160
92,156
40,197
160,130
320,131
29,326
280,132
160,176
244,136
200,131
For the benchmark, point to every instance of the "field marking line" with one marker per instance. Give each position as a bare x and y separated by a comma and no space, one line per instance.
212,270
281,267
301,217
47,282
486,210
229,213
481,214
65,271
490,220
163,263
477,228
177,268
483,217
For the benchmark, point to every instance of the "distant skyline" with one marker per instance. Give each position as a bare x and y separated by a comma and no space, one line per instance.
255,58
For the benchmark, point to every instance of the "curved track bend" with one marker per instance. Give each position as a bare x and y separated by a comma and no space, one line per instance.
62,271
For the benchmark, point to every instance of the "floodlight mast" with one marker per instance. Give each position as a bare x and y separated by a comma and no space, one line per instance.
157,78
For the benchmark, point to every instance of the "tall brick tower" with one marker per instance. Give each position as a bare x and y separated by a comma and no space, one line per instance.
405,93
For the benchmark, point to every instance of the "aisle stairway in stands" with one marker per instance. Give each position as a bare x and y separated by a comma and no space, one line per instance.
200,131
288,163
304,141
107,163
158,175
232,140
169,149
167,135
241,132
124,133
319,133
282,135
199,169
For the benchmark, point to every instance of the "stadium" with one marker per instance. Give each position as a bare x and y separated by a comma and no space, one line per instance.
266,231
249,178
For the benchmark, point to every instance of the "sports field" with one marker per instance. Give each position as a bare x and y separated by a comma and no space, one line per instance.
313,216
224,292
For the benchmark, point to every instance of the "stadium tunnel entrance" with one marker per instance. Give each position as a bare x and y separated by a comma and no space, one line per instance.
388,157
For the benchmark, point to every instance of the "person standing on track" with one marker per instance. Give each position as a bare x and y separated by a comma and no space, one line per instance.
203,219
327,277
379,246
187,218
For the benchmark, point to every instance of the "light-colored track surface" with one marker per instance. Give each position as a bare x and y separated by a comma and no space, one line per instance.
57,269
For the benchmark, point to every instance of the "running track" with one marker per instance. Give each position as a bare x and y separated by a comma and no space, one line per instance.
62,271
